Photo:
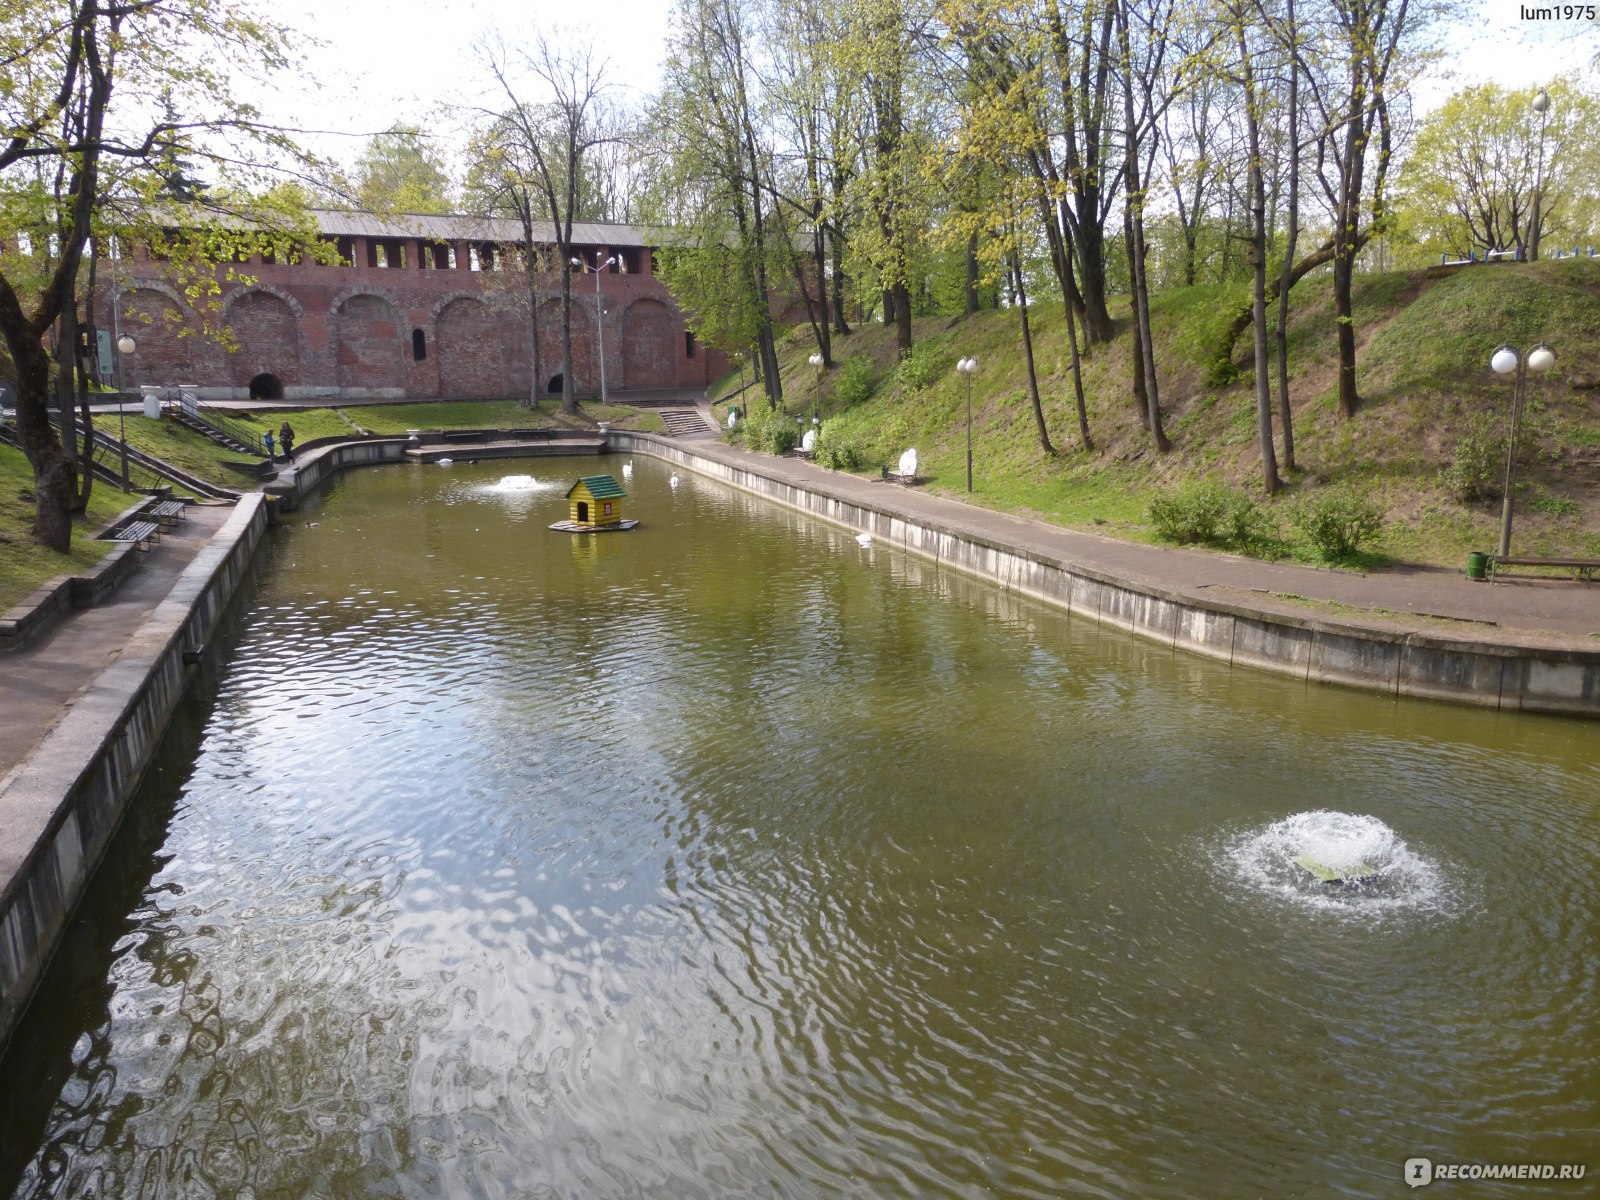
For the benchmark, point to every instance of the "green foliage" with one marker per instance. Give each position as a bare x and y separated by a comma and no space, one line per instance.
1467,185
1199,511
855,382
1555,506
919,368
838,450
1476,462
770,430
1337,521
399,172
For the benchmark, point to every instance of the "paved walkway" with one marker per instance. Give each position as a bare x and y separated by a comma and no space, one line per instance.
38,684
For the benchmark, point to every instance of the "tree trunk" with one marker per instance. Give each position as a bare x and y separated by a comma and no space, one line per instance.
1133,199
1292,236
972,274
1256,195
569,391
902,319
1027,353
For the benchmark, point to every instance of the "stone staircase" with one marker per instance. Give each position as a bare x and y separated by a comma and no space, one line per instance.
685,422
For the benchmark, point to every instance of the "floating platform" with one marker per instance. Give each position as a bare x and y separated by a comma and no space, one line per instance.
612,527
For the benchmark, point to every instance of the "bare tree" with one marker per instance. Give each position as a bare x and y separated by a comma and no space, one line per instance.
555,138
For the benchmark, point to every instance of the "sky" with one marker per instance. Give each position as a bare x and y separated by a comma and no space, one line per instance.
383,61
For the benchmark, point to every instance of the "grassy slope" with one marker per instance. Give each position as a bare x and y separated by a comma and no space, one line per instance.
23,563
1424,342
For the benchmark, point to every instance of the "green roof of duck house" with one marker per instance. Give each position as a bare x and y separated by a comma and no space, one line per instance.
601,487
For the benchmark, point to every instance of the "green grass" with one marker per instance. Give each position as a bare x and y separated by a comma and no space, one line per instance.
24,564
1423,340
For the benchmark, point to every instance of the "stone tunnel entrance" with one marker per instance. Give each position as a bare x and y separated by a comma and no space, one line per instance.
266,386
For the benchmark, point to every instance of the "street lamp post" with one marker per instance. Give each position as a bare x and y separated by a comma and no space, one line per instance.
816,392
125,348
1506,361
599,315
969,368
1541,105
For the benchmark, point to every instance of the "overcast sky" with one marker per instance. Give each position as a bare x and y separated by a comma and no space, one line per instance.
384,61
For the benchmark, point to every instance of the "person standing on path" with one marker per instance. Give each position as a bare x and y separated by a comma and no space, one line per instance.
266,439
286,439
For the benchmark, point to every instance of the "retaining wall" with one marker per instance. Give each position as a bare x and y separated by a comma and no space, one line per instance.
1526,678
61,808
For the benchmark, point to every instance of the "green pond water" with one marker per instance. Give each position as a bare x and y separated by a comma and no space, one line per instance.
729,857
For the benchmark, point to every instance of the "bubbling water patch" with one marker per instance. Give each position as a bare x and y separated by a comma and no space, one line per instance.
518,483
1338,862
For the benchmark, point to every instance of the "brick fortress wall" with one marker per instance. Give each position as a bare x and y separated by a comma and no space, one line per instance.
410,317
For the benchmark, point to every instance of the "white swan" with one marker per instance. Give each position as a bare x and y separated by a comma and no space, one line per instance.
627,470
863,539
673,481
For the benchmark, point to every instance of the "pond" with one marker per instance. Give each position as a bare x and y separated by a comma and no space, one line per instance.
729,856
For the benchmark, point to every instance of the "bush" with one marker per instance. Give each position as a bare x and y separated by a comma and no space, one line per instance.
1477,461
1210,513
918,369
1190,512
837,450
1337,521
854,383
770,430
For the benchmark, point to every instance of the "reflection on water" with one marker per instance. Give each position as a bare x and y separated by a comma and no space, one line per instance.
730,857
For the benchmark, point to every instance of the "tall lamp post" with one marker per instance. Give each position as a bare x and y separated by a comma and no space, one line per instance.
816,391
1541,105
125,349
599,315
1506,361
969,368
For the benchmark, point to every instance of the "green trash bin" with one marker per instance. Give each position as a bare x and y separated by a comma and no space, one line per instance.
1477,565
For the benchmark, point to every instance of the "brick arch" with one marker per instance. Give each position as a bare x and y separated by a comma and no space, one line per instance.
155,316
369,341
287,297
266,326
468,340
585,364
650,332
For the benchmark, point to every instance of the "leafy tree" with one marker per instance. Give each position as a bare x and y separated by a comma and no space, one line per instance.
713,183
1469,183
78,165
398,172
548,148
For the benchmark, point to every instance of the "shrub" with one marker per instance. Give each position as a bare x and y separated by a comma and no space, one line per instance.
854,383
837,450
770,430
1337,521
1476,462
1208,512
918,369
1190,512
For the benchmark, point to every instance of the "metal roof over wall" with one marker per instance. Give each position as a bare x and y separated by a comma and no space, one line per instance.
460,228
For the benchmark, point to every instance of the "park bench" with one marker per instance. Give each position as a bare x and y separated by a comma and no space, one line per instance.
464,435
168,512
140,533
533,434
1585,568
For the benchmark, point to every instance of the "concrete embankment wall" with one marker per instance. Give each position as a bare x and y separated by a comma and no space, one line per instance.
64,804
1531,679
